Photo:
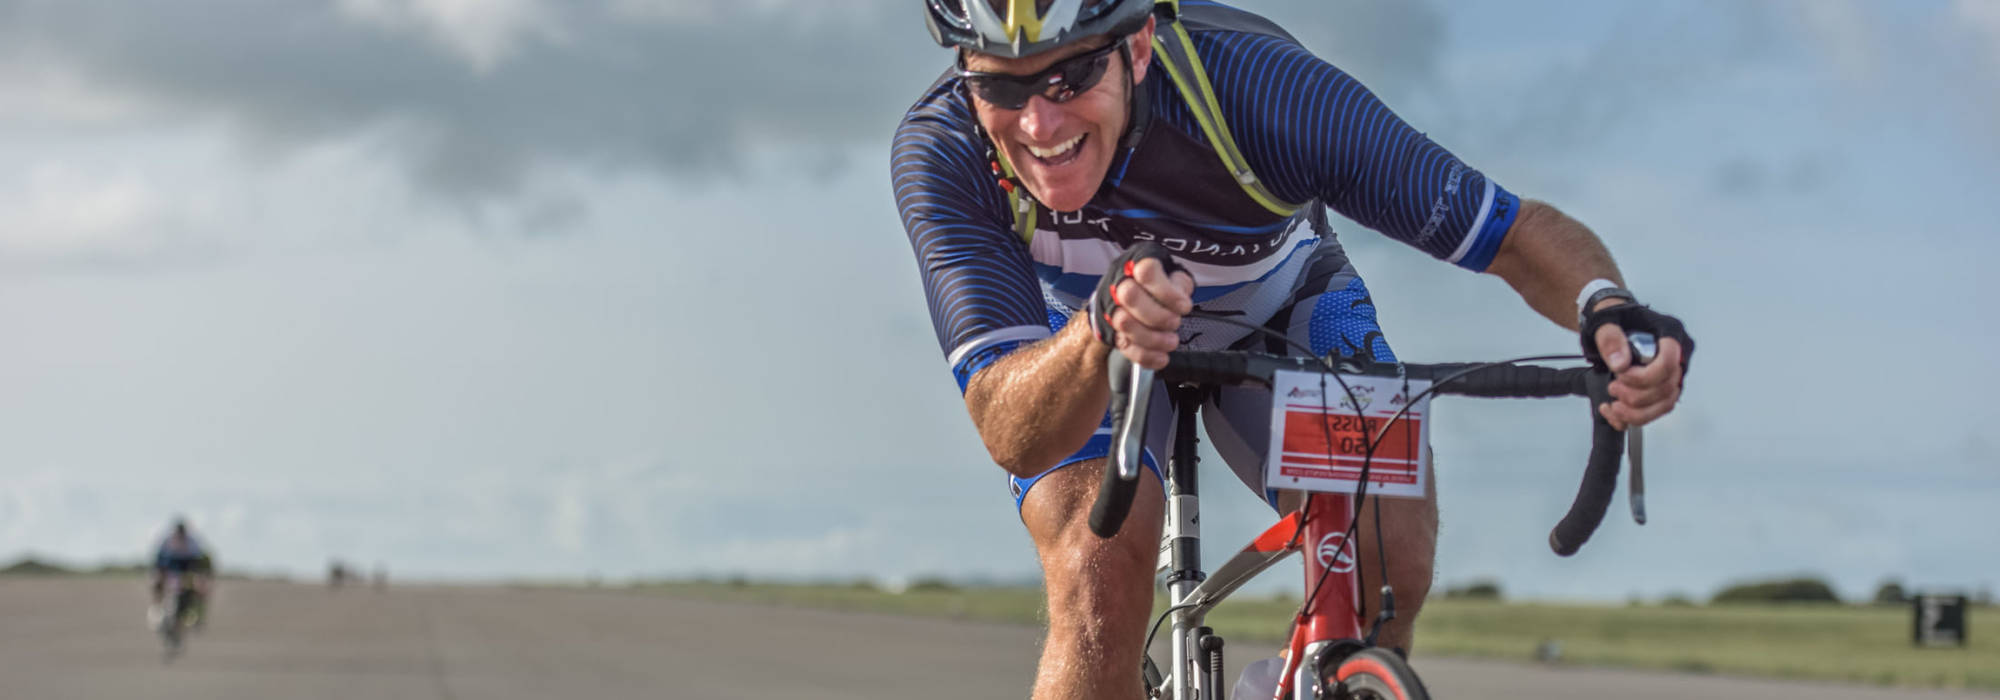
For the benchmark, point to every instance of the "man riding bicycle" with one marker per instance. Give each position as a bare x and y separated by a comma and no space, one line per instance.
181,558
1131,161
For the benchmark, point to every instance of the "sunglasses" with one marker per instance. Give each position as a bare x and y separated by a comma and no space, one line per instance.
1061,82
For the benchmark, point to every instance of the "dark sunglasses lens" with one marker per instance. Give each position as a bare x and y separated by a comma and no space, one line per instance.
1001,92
1079,75
1062,82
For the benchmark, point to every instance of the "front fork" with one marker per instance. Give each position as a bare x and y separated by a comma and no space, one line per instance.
1331,615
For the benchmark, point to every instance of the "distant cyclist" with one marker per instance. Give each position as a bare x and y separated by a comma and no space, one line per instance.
1090,171
182,562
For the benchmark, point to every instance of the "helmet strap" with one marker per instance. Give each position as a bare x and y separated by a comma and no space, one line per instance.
1136,119
1001,176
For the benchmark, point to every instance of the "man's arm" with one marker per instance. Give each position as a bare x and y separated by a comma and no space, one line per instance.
1038,404
1547,257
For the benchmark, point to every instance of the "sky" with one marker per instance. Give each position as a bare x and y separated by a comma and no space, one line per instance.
477,290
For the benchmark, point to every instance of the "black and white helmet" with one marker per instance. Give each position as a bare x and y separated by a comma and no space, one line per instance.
1017,28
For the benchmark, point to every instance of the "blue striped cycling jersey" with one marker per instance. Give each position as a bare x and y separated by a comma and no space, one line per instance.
1311,133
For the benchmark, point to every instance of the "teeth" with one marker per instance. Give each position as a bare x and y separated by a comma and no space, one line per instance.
1057,151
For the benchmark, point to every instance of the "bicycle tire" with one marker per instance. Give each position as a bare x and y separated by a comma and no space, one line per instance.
1375,674
170,631
174,625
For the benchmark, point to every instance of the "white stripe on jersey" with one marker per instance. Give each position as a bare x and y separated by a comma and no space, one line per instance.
1472,236
1253,301
996,337
1092,256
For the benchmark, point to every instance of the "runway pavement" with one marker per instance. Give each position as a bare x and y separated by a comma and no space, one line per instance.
85,638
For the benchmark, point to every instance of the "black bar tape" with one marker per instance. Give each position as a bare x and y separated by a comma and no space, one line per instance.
1600,476
1114,495
1223,369
1114,502
1516,381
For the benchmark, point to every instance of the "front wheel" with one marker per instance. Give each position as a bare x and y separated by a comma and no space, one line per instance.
1374,674
170,630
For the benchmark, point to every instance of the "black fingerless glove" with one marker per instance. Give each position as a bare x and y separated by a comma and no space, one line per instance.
1104,300
1635,318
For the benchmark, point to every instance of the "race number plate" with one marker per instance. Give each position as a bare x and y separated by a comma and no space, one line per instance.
1319,443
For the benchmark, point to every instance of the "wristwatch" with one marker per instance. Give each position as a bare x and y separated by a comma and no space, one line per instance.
1597,291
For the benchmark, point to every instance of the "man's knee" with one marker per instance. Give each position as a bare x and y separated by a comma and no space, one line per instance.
1081,571
1410,536
1408,543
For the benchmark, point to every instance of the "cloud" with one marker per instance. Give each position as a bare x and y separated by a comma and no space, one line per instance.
483,32
1651,59
1396,47
56,213
1752,177
476,97
1982,17
63,209
479,95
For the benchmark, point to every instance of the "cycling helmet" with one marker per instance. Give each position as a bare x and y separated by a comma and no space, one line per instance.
1017,28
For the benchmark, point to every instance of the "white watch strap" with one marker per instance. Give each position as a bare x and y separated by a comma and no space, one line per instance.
1589,288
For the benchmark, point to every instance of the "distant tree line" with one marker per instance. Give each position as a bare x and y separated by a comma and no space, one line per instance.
1477,589
1791,590
32,566
1798,589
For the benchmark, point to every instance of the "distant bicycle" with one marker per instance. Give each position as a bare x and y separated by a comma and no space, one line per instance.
1332,652
178,611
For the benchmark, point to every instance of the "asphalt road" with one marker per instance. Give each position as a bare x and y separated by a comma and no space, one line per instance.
85,638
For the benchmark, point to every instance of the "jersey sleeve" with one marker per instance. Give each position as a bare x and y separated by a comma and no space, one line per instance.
984,298
1311,131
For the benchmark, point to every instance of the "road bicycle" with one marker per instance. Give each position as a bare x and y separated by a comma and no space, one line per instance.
1332,651
177,612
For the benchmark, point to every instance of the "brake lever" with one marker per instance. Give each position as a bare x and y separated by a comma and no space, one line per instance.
1129,434
1644,349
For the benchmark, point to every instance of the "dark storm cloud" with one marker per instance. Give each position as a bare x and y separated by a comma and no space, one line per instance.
1396,47
686,97
689,93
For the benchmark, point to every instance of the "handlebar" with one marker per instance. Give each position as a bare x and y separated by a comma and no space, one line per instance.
1131,392
1131,388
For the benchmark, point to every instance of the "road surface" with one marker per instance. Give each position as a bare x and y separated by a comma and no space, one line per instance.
84,638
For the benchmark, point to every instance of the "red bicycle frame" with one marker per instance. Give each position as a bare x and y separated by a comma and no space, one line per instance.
1330,611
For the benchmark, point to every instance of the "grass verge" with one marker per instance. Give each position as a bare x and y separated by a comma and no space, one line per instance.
1857,644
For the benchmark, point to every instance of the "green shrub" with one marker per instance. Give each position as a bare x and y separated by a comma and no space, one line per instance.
1891,593
931,584
1482,589
1794,590
30,566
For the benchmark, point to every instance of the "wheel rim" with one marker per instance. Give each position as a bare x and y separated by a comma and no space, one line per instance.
1374,675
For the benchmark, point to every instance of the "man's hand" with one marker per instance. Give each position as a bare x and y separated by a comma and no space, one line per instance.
1147,312
1139,302
1640,394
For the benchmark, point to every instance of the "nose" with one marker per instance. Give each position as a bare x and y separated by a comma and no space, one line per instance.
1040,119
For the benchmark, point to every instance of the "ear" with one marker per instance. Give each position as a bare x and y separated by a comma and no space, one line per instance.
1142,50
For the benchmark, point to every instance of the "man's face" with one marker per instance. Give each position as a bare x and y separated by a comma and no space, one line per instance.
1062,151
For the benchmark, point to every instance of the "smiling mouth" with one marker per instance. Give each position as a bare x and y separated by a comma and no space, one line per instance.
1062,154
